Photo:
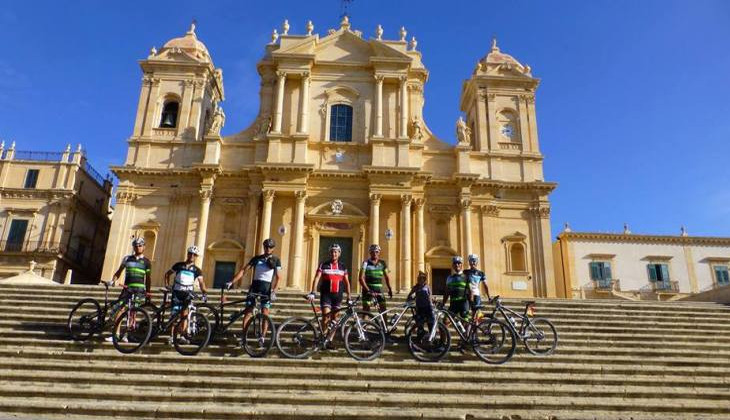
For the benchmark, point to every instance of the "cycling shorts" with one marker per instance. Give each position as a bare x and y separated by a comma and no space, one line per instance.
330,300
180,299
367,298
262,288
459,307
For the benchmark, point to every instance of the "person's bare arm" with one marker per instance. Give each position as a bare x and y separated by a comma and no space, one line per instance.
346,279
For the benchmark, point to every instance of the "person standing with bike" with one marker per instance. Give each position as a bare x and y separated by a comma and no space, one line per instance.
330,278
457,290
137,274
186,275
421,292
476,279
373,272
264,281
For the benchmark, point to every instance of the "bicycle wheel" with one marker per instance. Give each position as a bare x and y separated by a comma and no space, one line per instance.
540,337
350,320
297,337
258,337
85,319
191,334
365,342
155,316
493,341
211,313
132,330
423,348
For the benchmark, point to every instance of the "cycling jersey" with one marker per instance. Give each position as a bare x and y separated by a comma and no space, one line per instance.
264,267
456,284
136,270
374,274
185,276
475,278
332,274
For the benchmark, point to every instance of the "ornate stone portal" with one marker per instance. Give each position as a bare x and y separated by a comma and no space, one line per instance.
339,151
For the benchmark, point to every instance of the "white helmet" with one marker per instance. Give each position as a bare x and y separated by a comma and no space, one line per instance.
138,242
473,258
374,247
335,247
193,249
457,259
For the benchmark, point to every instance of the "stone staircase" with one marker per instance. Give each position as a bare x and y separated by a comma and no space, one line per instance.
615,360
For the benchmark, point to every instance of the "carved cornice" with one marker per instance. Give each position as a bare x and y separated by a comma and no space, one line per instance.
49,194
541,212
441,209
490,210
639,238
126,197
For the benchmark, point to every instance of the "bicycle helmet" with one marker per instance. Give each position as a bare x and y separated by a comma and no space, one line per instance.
457,260
269,243
335,247
193,249
473,258
138,242
374,247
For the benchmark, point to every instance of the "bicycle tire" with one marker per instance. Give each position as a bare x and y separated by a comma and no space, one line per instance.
428,351
297,337
85,319
493,341
541,331
368,346
156,316
253,333
130,336
191,340
350,318
210,312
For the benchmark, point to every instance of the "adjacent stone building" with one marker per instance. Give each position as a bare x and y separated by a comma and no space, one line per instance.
636,266
339,152
54,211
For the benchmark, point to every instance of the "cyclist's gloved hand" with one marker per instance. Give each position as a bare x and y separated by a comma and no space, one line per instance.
310,296
273,296
229,285
204,298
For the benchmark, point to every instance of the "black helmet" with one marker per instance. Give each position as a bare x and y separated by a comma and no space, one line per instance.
269,243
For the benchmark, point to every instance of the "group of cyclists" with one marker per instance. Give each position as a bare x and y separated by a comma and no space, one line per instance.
331,280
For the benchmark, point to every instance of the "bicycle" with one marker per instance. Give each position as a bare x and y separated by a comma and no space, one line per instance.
533,332
390,318
486,336
299,337
428,345
133,327
190,333
88,317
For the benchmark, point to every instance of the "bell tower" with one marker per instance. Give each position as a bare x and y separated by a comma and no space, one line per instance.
178,102
499,103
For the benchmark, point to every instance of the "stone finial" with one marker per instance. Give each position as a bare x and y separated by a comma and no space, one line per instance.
274,36
12,145
495,48
528,70
68,147
2,145
310,27
285,27
627,231
191,31
379,33
78,148
403,33
31,266
345,23
683,231
153,51
413,43
566,227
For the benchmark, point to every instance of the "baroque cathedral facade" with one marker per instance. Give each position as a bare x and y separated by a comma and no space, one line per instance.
339,153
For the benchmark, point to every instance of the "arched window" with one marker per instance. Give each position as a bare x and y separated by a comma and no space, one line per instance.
517,257
169,115
341,123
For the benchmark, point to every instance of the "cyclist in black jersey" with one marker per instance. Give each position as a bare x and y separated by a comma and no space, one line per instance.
137,274
372,274
330,278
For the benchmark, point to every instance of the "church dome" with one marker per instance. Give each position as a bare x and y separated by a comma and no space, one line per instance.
190,44
496,59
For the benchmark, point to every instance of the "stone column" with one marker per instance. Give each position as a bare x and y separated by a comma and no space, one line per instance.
403,107
466,224
375,218
196,109
296,275
405,277
303,126
420,236
266,214
253,210
279,101
206,192
142,106
379,106
150,120
185,106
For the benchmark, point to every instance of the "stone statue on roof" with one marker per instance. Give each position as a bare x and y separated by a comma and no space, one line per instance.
463,133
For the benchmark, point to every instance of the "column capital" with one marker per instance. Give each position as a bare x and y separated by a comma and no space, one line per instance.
306,75
280,74
406,199
268,195
540,211
403,79
300,195
419,202
206,193
465,203
379,78
375,198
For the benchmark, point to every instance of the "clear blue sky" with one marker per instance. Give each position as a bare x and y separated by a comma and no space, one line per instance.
633,108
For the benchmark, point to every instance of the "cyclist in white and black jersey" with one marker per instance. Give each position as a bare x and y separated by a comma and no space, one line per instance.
187,274
264,280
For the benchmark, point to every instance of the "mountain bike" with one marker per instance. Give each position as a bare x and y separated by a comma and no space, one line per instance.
390,318
189,333
88,317
133,327
428,344
492,340
299,337
538,334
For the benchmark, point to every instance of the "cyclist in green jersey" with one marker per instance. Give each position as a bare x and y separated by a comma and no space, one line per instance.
137,274
457,289
372,273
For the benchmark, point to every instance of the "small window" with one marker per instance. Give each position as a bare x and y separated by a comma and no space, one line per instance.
169,115
722,275
341,123
16,236
31,178
517,258
658,273
601,272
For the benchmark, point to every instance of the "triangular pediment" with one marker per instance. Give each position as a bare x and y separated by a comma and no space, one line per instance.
342,46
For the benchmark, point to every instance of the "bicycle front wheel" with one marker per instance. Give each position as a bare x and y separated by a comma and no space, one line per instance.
540,337
191,334
85,319
132,330
297,337
258,337
364,342
493,341
425,349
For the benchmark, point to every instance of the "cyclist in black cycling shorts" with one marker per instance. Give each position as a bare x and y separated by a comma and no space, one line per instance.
265,280
330,280
186,275
137,274
372,273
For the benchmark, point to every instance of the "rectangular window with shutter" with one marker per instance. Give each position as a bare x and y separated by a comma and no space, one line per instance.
659,273
722,275
601,272
31,178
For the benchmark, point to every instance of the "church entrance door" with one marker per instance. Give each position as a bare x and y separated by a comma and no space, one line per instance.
438,280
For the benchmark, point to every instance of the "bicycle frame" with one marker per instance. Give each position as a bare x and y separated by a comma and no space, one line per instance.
349,310
458,326
224,324
388,328
510,316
